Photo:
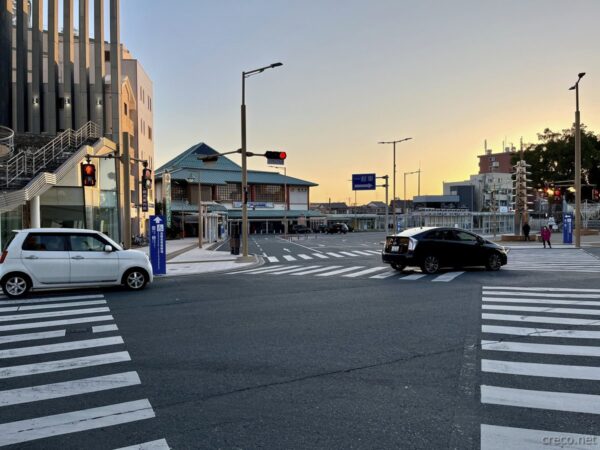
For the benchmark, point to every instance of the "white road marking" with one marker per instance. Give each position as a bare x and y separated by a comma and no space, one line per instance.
304,256
494,437
160,444
347,253
32,336
360,252
63,364
68,388
104,328
70,312
541,332
53,323
296,269
260,269
338,271
413,277
375,252
541,370
289,258
322,269
72,422
383,275
556,401
541,319
51,305
320,255
273,259
540,289
449,276
264,254
534,294
545,349
287,250
52,299
61,347
365,272
300,245
540,301
335,255
549,310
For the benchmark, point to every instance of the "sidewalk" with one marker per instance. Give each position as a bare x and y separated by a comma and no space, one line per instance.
556,240
185,258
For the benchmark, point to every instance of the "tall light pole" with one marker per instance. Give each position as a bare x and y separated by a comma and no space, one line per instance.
577,175
405,204
244,158
394,178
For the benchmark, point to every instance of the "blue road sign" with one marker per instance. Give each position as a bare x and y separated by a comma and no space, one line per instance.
364,181
158,245
567,228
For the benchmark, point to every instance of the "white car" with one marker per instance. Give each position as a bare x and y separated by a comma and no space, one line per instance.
50,258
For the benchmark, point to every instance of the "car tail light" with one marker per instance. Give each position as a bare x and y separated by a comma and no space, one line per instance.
412,244
3,257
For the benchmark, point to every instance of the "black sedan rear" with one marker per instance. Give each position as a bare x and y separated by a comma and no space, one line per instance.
434,248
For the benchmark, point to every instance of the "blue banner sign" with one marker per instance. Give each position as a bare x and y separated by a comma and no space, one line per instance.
158,245
364,181
567,228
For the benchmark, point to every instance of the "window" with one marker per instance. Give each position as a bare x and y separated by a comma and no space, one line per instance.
464,236
125,108
150,133
178,192
269,193
45,242
150,103
86,243
435,234
230,191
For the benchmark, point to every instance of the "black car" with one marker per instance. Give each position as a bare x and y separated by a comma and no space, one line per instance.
300,229
432,248
337,228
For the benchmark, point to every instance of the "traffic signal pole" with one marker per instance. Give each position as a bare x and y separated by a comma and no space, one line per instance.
387,203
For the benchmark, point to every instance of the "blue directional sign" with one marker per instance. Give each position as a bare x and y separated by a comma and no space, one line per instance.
567,228
158,245
364,181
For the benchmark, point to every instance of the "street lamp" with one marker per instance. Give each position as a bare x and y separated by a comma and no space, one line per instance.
394,178
405,205
244,158
577,162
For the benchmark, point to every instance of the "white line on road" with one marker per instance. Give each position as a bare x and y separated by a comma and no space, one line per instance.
575,311
63,364
304,256
104,328
347,253
360,252
260,269
322,269
273,259
413,277
52,299
534,294
72,422
62,347
541,301
296,269
541,289
545,349
160,444
68,388
300,245
383,275
32,336
541,319
287,250
447,277
320,255
339,271
541,370
50,306
69,312
53,323
494,437
541,332
289,258
365,272
335,255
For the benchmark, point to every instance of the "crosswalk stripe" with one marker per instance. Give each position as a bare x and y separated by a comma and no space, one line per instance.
289,270
347,253
540,332
61,347
320,255
540,319
52,299
51,305
541,301
383,275
495,437
556,401
322,269
365,272
53,323
413,277
537,289
74,312
335,255
586,269
541,370
360,252
544,349
273,259
63,364
270,269
449,276
72,422
304,256
375,252
68,388
535,294
260,269
289,258
339,271
32,336
160,444
549,310
104,328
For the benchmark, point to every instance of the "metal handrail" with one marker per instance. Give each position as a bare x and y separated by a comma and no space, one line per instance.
7,138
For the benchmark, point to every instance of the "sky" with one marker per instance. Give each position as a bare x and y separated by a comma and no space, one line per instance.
448,74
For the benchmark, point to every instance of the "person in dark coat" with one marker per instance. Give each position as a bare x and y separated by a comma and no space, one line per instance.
526,230
546,234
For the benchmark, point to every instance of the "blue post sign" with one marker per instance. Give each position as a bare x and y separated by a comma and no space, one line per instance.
158,245
364,181
567,228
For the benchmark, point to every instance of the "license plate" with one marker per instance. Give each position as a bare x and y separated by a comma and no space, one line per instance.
395,248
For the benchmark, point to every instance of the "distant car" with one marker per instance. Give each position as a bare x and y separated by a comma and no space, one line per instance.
50,258
300,229
337,228
432,248
322,228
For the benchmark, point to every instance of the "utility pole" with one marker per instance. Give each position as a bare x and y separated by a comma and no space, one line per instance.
387,204
577,163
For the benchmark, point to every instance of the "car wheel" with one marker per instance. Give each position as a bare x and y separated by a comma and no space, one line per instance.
494,262
135,279
430,264
16,285
399,267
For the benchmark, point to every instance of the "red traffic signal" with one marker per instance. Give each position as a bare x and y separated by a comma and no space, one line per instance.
279,156
88,174
146,178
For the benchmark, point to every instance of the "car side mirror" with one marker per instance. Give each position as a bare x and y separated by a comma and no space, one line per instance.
108,248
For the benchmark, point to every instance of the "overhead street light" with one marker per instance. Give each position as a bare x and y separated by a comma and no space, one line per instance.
394,178
577,175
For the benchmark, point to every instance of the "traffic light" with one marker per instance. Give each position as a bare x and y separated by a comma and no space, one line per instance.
595,195
277,156
146,178
88,174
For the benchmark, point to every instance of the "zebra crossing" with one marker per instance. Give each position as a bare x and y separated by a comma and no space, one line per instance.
321,255
552,260
539,360
376,273
56,339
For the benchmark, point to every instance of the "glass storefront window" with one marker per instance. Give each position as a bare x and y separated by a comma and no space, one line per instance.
9,221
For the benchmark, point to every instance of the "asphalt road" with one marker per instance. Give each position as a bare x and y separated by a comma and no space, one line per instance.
293,360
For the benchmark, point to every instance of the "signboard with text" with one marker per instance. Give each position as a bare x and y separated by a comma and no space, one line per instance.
144,200
364,181
158,245
567,228
167,197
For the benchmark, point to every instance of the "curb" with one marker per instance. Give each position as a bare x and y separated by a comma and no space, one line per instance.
259,262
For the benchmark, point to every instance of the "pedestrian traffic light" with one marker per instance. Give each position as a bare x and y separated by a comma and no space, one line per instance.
88,174
146,178
595,195
278,156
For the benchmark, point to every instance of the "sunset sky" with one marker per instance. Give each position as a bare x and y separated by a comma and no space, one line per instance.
448,74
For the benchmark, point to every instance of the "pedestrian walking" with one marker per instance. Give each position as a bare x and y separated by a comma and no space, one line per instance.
526,230
546,234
